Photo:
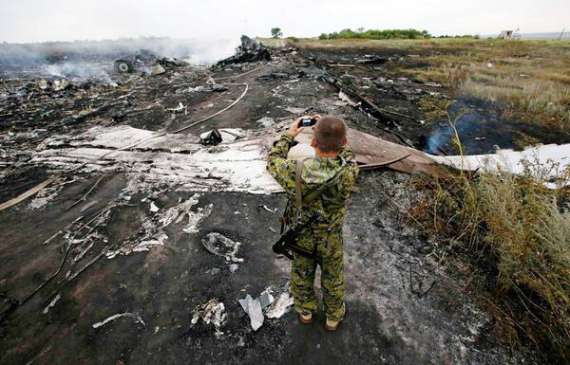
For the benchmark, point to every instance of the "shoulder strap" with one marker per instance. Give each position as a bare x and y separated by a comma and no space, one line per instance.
298,183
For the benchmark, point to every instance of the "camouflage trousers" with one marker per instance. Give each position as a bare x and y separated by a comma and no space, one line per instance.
328,247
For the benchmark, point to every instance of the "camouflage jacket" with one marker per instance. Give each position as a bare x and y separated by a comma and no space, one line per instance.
330,205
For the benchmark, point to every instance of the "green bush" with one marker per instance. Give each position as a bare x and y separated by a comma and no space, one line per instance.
377,34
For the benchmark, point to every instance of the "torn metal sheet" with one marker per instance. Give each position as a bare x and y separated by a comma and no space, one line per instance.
373,150
254,310
239,165
281,306
220,245
548,162
212,313
265,298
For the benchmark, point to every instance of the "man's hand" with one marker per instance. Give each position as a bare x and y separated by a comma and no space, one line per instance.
294,129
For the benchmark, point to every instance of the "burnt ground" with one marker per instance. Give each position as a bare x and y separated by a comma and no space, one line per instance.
404,307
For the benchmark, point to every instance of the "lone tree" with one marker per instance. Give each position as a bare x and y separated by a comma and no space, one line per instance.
276,32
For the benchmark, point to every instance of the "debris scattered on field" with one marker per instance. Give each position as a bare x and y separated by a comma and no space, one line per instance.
266,122
44,196
213,312
370,59
219,245
52,303
254,307
177,213
214,86
152,228
135,316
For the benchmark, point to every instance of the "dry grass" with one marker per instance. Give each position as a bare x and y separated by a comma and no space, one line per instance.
531,79
520,231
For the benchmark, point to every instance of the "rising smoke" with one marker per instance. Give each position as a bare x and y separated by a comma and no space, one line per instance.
93,60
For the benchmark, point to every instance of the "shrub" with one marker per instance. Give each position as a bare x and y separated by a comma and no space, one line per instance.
377,34
520,232
276,32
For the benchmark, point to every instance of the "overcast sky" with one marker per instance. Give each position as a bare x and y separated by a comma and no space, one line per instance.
49,20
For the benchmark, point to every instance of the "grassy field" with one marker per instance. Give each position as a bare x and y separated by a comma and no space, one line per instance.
531,79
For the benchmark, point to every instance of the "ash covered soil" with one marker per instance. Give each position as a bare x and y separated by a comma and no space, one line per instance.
98,242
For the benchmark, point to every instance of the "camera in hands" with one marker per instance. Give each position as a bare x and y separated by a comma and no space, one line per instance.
307,122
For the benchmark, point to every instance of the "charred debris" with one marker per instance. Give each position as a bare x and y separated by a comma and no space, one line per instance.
121,160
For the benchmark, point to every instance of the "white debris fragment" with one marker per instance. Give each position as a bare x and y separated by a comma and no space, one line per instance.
159,240
194,218
152,228
89,205
153,207
233,268
546,161
345,98
266,122
220,245
44,196
181,107
196,89
177,213
213,312
253,309
157,70
60,84
52,304
296,111
281,306
177,159
134,316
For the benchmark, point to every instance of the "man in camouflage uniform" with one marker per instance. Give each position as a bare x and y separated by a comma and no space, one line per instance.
333,163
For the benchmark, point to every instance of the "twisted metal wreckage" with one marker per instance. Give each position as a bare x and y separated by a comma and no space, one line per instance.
236,162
